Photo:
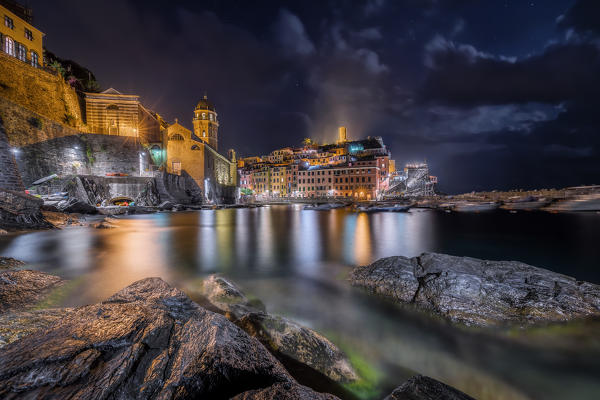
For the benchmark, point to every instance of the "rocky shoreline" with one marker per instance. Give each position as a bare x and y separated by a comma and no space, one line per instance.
479,292
150,340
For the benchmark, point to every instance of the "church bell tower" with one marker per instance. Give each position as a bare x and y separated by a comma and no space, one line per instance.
206,125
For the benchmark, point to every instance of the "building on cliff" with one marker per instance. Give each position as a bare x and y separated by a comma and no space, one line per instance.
18,37
195,153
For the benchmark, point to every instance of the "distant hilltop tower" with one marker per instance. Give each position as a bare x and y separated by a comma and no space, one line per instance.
206,125
342,134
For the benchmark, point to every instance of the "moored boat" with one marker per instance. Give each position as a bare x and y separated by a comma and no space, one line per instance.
475,207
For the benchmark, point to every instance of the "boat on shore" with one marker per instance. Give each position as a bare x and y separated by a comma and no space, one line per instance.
324,207
393,208
525,204
475,207
590,202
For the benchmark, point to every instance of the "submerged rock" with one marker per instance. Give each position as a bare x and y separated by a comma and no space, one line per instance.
25,288
280,335
424,388
479,292
147,341
284,391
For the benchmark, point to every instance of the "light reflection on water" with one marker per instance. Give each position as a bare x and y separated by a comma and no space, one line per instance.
296,261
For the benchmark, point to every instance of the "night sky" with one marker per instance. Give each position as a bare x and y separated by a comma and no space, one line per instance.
492,94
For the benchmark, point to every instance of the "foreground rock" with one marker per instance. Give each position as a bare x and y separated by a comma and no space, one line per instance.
24,289
280,335
19,210
10,263
424,388
479,292
147,341
59,219
284,391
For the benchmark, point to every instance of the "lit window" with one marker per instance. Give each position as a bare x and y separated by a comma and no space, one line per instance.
203,133
28,34
203,115
34,59
9,46
210,116
9,22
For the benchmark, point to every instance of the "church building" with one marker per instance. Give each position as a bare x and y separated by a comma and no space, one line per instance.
196,153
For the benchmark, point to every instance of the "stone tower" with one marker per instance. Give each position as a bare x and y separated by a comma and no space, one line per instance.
206,125
342,135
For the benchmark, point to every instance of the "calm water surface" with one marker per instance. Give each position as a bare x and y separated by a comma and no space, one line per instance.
296,262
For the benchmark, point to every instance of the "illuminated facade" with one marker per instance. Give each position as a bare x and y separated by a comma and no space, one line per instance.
206,126
192,153
114,113
18,37
358,170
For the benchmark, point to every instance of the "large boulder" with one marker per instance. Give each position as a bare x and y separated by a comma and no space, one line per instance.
148,341
480,292
284,391
424,388
25,289
281,335
19,210
74,205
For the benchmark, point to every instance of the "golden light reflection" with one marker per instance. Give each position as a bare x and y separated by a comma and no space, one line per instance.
225,236
362,240
128,255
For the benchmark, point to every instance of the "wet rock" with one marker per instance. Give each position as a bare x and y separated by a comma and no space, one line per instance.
479,292
3,232
10,263
280,335
76,206
59,219
19,210
24,288
424,388
166,205
15,325
106,223
147,341
284,391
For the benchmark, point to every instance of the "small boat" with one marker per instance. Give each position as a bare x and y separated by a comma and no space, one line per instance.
525,204
394,208
324,207
475,207
590,202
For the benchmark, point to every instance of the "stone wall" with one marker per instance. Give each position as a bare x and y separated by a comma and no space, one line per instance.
83,154
9,174
39,91
24,127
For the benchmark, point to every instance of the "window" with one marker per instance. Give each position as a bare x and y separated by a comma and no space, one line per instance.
203,115
203,133
28,34
176,136
34,59
9,46
9,22
210,116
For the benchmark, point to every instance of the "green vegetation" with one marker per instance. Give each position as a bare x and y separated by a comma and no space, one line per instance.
57,296
36,122
74,74
69,119
89,154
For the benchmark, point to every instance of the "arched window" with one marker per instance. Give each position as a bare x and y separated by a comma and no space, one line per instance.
35,61
9,46
176,136
21,51
203,115
203,133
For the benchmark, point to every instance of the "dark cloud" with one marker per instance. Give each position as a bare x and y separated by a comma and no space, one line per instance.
481,90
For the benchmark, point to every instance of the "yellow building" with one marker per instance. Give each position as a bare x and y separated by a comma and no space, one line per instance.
194,153
206,126
18,36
